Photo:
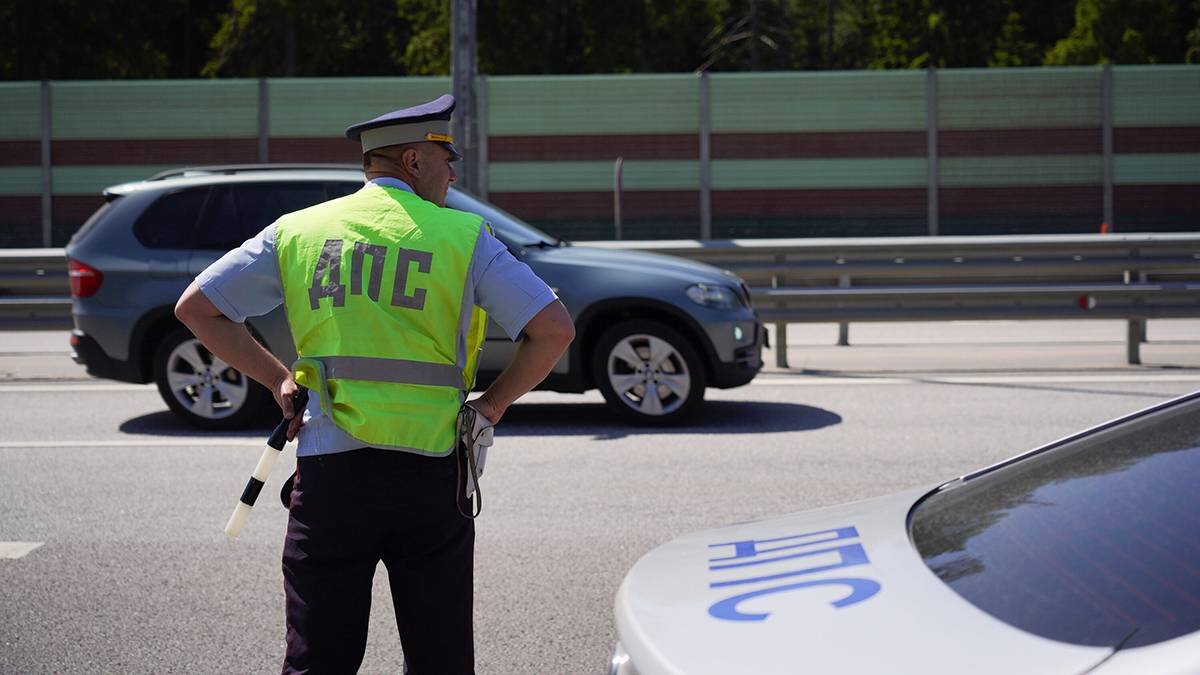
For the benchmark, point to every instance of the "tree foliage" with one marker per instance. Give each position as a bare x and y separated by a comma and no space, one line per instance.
329,37
78,39
582,36
1125,31
1193,37
74,39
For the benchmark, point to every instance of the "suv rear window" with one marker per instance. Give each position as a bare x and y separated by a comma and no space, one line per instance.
170,220
1095,541
221,217
90,224
237,212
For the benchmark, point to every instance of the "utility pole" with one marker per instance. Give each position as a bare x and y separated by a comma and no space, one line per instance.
464,65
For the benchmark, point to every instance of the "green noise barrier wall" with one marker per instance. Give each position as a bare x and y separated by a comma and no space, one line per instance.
787,154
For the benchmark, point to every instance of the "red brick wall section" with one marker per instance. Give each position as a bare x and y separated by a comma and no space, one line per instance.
181,152
20,153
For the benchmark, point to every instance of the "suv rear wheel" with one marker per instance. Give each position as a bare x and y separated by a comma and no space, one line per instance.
203,389
648,373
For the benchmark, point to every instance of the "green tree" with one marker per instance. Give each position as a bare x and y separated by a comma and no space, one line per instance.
1012,47
1193,38
940,33
944,33
329,38
76,39
427,49
1125,31
581,36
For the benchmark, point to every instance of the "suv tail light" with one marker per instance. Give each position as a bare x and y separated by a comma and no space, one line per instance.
85,279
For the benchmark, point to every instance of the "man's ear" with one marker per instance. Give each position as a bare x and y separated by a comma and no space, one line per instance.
408,159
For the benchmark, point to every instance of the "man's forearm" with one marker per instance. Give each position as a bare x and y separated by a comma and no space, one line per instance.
530,365
547,336
231,342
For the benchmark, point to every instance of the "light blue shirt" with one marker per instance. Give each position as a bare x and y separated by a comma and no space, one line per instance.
245,283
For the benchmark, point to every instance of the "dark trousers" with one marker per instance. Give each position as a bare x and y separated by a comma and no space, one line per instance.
349,511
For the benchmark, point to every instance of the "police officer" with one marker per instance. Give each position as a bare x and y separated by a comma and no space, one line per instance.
385,292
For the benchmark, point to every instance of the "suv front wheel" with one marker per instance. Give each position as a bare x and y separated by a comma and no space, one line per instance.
203,389
648,373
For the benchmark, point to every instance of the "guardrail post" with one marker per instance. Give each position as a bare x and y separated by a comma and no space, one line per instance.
705,160
617,166
843,326
1135,329
1143,278
47,169
781,360
781,345
1133,342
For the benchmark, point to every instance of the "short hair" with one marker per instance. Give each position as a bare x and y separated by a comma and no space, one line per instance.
393,152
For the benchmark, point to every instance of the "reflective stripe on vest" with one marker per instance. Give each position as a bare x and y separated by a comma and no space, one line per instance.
376,296
401,371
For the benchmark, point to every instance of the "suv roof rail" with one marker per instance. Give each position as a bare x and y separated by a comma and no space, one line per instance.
230,169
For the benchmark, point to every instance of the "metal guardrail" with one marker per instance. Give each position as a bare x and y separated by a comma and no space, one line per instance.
34,289
1135,277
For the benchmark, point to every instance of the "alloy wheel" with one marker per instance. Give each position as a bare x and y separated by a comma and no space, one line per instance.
203,384
649,375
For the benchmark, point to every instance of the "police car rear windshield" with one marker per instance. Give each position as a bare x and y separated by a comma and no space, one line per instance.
1095,541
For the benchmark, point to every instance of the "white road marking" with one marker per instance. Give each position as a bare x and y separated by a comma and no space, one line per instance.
12,550
767,379
139,443
819,380
816,380
71,387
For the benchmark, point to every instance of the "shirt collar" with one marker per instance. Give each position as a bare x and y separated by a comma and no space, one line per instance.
392,182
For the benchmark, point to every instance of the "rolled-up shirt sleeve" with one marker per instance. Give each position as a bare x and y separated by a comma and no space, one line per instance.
506,288
245,281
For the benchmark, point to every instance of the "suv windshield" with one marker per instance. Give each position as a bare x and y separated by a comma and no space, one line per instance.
509,228
1094,541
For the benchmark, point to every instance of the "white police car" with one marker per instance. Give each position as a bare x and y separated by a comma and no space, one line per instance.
1082,556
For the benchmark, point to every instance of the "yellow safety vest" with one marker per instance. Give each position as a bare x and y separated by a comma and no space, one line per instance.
374,286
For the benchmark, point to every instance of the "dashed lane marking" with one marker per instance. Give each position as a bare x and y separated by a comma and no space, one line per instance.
138,443
816,380
23,388
12,550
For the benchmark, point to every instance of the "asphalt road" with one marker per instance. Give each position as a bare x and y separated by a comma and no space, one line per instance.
133,573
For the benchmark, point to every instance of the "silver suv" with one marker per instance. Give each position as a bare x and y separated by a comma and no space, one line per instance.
652,331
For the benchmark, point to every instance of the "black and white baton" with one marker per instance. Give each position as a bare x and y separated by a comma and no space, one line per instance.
265,463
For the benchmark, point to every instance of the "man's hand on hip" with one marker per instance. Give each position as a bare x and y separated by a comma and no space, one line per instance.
232,343
547,336
283,390
484,406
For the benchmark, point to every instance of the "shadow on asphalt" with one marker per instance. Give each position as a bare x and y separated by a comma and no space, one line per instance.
716,417
567,419
166,423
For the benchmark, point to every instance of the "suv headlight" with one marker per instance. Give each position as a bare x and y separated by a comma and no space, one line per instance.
713,296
